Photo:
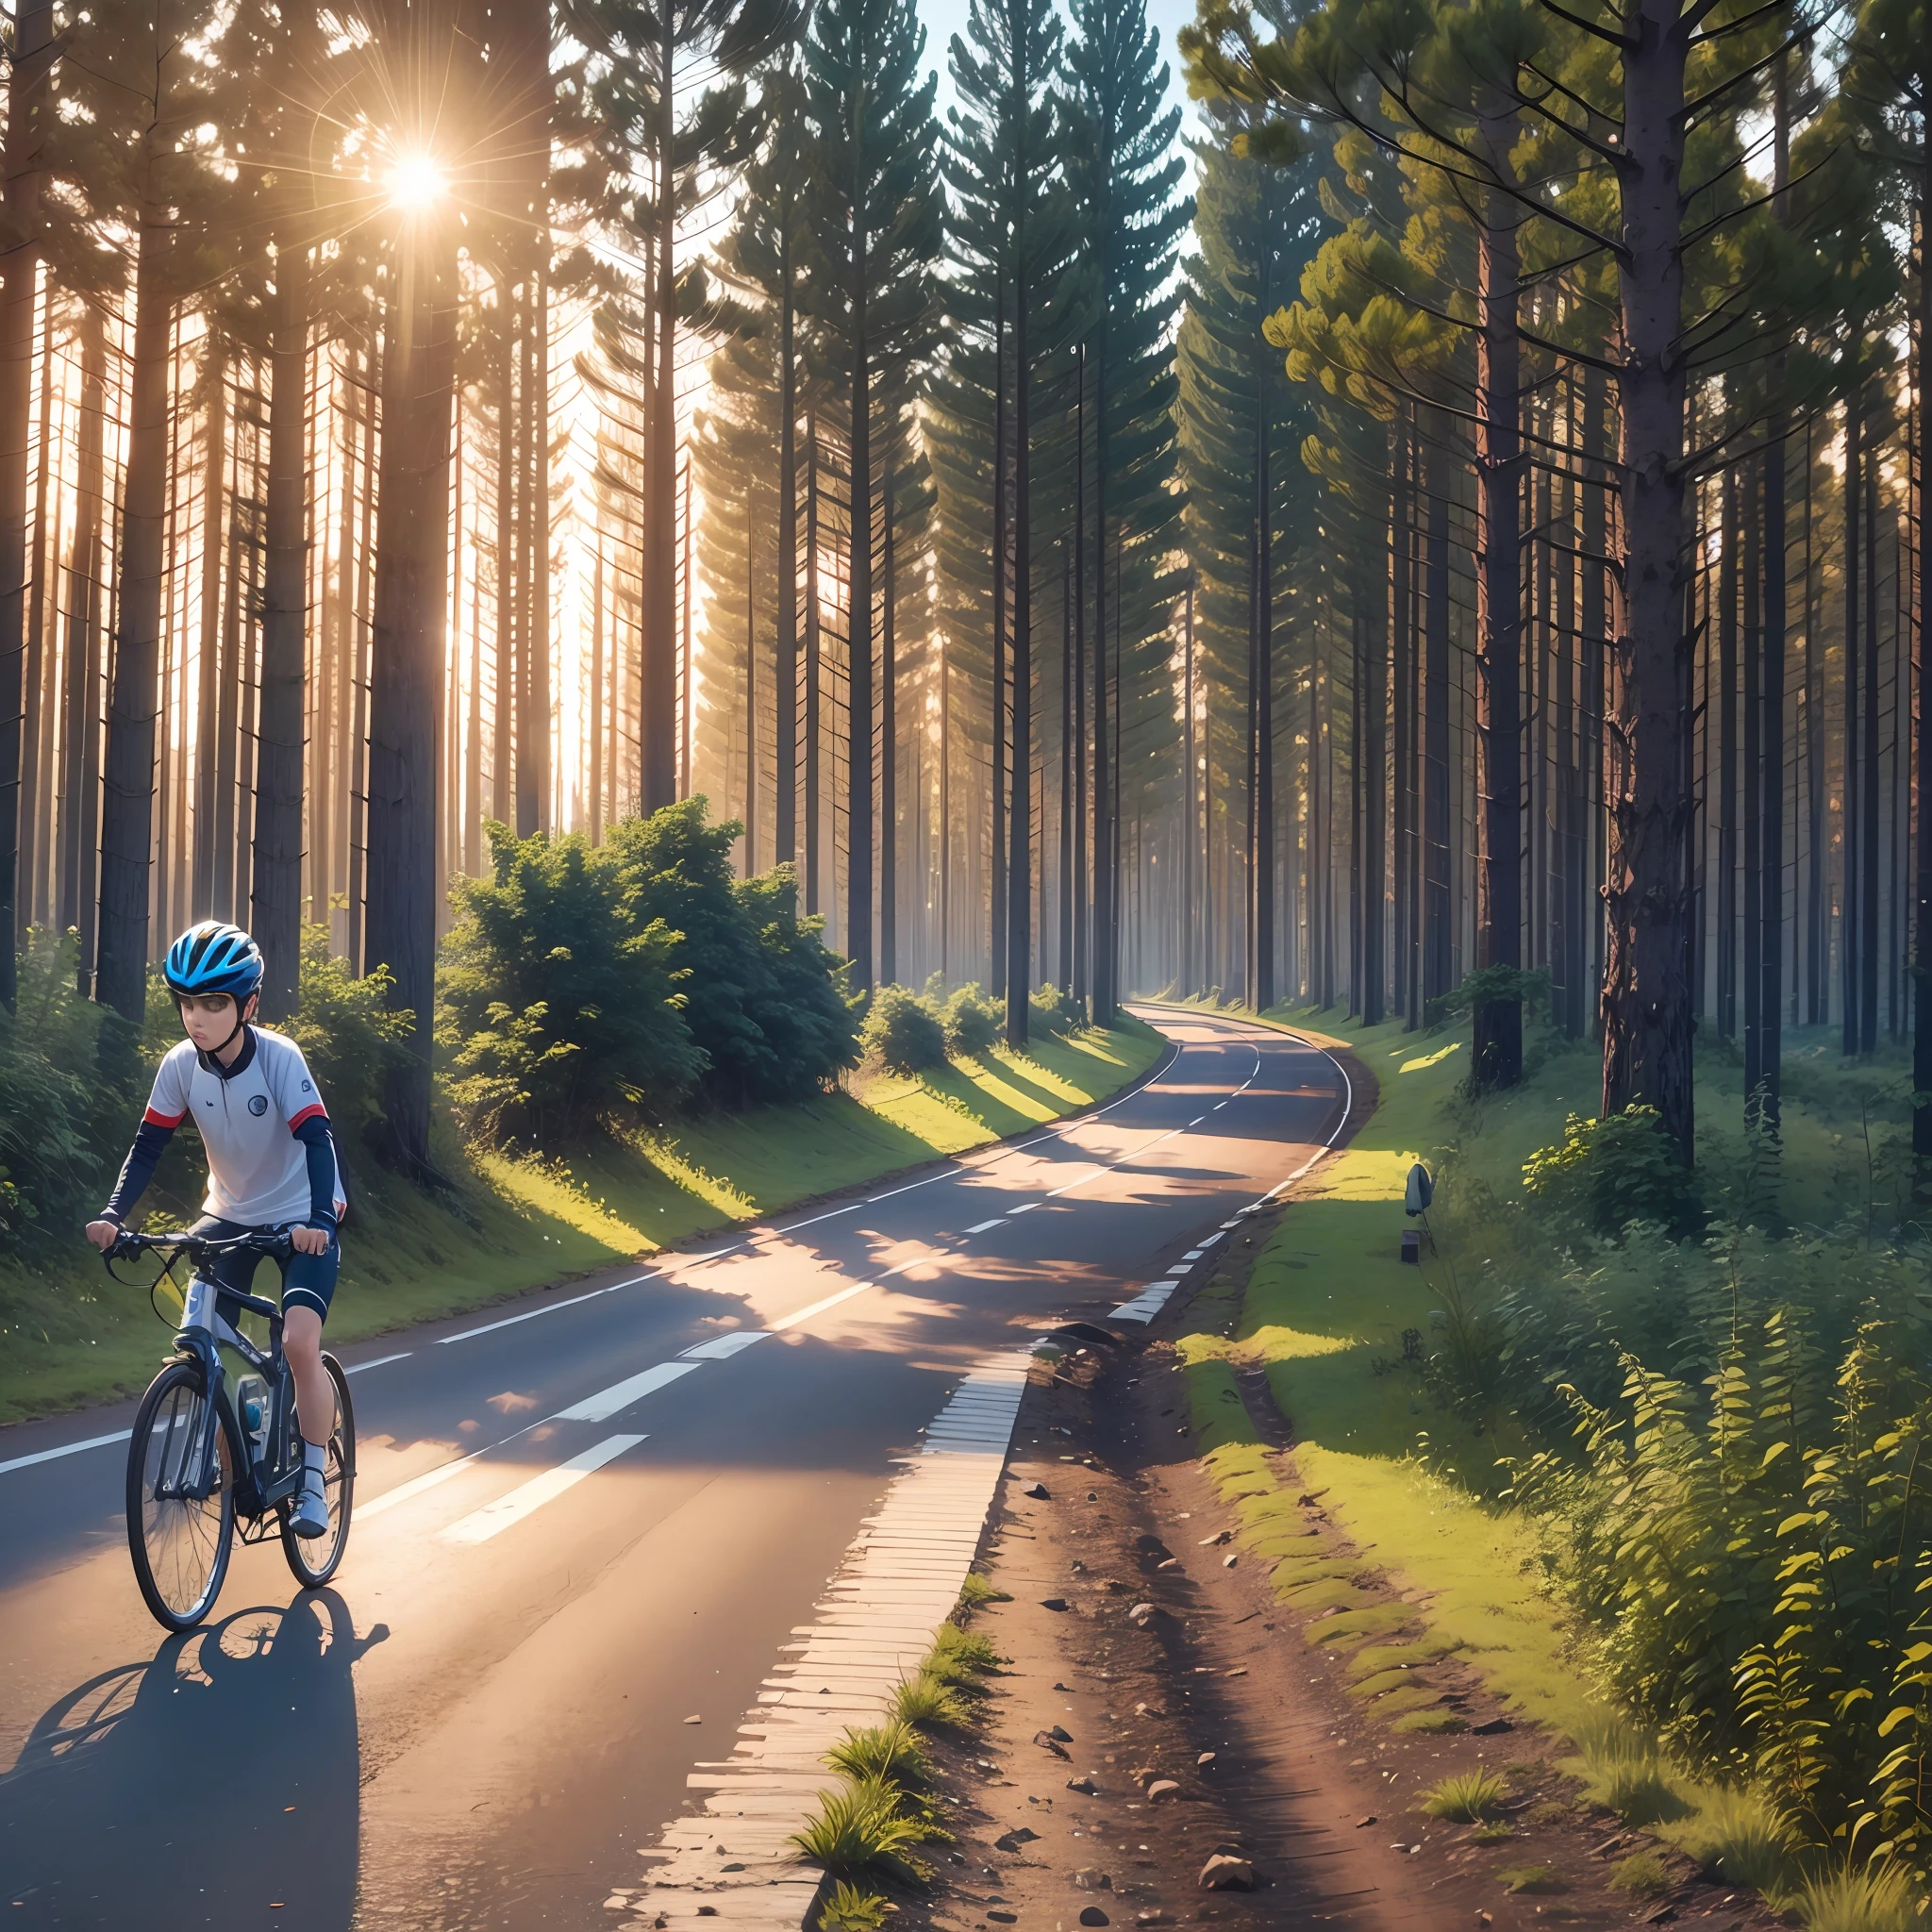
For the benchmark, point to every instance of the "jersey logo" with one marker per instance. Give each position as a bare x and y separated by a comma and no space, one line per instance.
258,1104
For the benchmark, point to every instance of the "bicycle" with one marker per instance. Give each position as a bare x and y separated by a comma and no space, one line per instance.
202,1455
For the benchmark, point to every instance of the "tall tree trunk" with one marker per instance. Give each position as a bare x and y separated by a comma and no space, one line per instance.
1065,854
785,646
275,909
1850,939
750,691
1921,931
1078,753
858,720
411,568
1646,1000
1497,1055
127,814
1725,897
505,788
1261,992
27,130
213,502
1020,818
811,665
1372,702
1438,909
1402,642
1867,808
996,721
80,729
1106,965
889,743
658,591
1771,785
1752,696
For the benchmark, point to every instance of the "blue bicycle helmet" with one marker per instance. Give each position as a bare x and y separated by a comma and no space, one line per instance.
212,957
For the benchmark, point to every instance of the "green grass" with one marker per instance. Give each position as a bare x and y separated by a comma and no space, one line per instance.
1468,1797
69,1336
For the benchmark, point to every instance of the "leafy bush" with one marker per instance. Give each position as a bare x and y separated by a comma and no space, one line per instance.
1642,1873
902,1032
761,993
1869,1898
69,1087
973,1022
1606,1174
346,1032
1056,1012
556,1003
925,1701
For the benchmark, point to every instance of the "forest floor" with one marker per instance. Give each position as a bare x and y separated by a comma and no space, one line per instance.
508,1224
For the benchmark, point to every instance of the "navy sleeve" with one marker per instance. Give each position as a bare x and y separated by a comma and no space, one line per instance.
320,1146
150,1142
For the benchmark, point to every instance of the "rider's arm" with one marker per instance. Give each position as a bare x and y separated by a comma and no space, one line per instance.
167,1107
319,1145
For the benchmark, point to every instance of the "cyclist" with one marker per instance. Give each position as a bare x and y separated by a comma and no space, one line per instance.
271,1162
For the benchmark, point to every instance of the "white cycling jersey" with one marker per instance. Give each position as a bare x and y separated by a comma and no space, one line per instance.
258,1172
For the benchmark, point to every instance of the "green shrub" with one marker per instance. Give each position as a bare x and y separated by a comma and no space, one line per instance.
346,1032
557,1005
1642,1873
961,1657
1606,1174
852,1908
890,1753
973,1022
799,1002
1467,1798
1056,1012
1871,1898
922,1700
902,1032
859,1826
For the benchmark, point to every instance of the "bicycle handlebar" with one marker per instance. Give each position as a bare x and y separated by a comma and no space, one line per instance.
196,1247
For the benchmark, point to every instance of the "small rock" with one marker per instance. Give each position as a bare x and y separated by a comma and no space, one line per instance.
1063,1687
1239,1670
1148,1710
1079,1569
1083,1784
1223,1872
693,1720
954,1858
1053,1603
1162,1788
731,1868
1206,1758
1220,1537
1089,1878
1004,1917
1038,1490
1059,1731
1141,1615
1308,1499
1363,1823
1093,1915
1012,1840
1228,1562
1495,1728
1047,1742
1172,1563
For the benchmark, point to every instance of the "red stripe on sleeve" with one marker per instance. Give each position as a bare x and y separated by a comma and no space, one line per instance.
154,1118
309,1113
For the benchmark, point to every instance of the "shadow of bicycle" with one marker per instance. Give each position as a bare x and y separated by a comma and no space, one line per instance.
215,1785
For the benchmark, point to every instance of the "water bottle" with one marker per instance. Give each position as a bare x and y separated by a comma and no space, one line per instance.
251,1404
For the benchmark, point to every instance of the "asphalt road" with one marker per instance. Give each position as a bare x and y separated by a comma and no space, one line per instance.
570,1538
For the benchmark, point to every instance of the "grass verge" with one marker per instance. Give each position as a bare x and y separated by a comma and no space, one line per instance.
1336,1320
69,1336
868,1825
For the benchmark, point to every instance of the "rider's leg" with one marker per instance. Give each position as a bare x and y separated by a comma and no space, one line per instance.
315,1394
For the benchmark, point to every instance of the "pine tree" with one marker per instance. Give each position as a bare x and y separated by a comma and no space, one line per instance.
874,210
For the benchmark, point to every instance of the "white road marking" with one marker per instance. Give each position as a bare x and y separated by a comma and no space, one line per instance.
381,1361
607,1402
1024,1207
831,1301
721,1348
494,1518
1146,1304
66,1449
984,1225
548,1309
416,1486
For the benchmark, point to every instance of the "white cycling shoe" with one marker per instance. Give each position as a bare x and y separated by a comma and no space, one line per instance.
308,1514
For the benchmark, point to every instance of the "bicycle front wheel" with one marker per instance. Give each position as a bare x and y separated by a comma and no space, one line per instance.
315,1560
179,1542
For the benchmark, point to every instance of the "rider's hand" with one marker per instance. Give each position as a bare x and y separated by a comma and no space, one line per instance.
310,1241
103,1233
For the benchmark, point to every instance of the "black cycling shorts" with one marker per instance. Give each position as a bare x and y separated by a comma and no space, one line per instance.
308,1281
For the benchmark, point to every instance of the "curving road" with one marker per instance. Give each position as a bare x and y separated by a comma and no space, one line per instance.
583,1519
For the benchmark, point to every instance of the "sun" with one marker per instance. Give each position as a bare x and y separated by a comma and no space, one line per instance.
416,181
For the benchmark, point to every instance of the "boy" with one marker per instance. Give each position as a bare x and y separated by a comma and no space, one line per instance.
271,1162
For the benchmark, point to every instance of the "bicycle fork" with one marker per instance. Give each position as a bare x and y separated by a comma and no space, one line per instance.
188,1473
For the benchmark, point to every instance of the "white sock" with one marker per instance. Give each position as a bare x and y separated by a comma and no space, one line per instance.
314,1459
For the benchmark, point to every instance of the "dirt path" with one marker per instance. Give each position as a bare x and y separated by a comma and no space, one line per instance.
1196,1716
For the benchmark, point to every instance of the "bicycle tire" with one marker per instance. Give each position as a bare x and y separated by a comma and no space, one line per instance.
339,1487
179,1547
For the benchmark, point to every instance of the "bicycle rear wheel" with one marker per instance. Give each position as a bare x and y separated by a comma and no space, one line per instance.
315,1560
180,1544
